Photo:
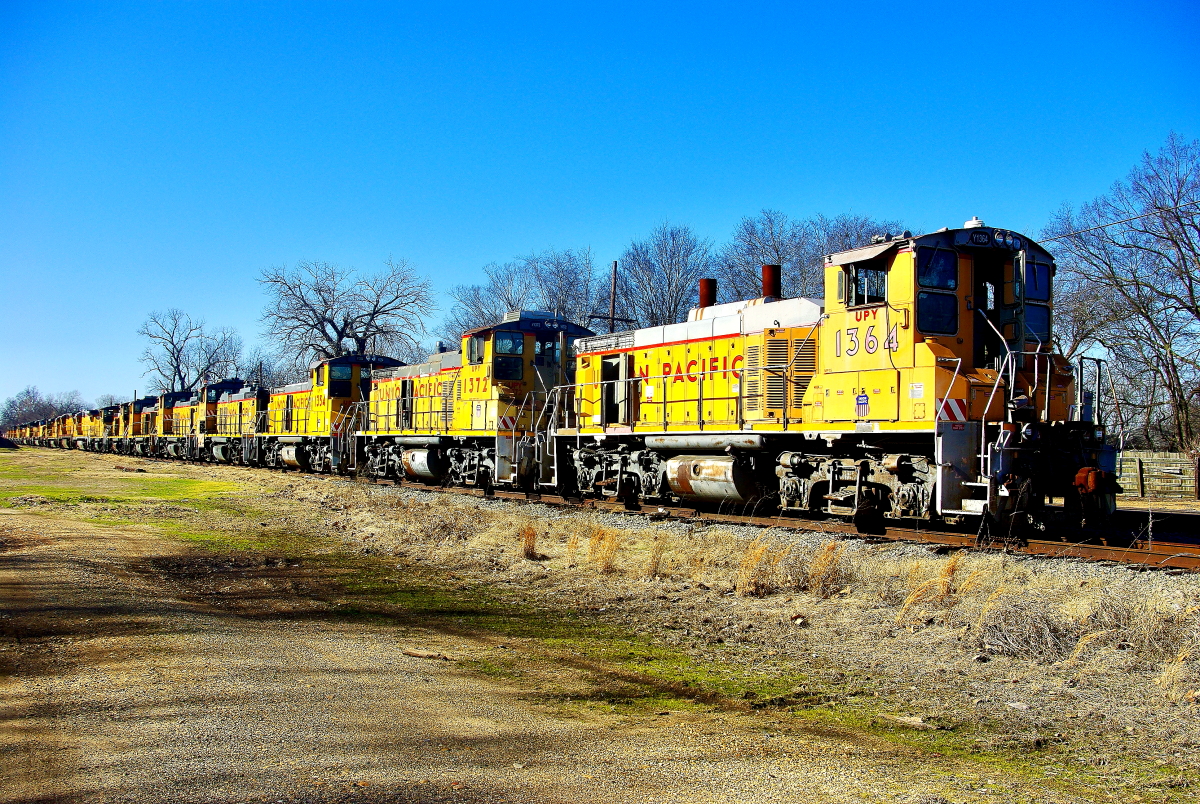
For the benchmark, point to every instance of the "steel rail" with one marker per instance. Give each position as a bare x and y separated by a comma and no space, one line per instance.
1150,554
1145,552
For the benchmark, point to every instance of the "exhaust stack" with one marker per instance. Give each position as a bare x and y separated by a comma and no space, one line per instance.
708,292
772,281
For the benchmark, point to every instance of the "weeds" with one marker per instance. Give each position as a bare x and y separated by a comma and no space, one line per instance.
606,551
529,535
757,571
827,572
1029,626
654,562
1173,674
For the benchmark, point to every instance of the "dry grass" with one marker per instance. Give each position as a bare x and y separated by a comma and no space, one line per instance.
529,535
1030,626
828,571
654,562
758,570
1086,632
1173,676
605,553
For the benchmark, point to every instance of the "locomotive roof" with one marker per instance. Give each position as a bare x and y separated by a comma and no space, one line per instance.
435,363
347,360
974,236
534,321
745,317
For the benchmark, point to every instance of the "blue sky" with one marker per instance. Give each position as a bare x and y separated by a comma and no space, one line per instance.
162,154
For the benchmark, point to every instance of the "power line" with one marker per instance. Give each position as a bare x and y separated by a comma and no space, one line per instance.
1156,211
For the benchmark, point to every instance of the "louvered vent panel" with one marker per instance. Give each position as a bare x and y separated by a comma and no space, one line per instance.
753,382
777,370
450,392
803,368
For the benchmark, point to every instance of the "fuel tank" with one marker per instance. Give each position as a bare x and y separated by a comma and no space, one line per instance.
425,464
713,478
295,456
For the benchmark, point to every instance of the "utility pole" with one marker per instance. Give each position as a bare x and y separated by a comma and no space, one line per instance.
612,317
612,301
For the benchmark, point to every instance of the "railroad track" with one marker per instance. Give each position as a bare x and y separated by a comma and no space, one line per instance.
1157,540
1177,547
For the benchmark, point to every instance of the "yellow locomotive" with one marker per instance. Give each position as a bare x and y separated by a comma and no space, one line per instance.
925,387
484,420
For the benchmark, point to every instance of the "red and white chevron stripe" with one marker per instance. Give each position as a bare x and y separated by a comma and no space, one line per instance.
506,422
953,410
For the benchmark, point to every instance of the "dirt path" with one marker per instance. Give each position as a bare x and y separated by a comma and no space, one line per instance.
121,683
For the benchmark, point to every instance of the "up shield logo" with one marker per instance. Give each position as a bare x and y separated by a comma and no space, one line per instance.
862,406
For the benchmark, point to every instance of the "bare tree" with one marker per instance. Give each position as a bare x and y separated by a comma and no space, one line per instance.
30,405
108,400
659,275
320,310
1139,247
260,366
771,237
509,286
557,281
182,354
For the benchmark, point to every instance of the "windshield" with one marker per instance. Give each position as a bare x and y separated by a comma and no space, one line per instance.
937,268
509,343
1037,281
1037,321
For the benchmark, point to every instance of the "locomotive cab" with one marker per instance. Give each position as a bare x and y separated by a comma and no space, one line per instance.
514,365
527,351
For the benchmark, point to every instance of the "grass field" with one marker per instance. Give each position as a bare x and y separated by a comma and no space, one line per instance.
1078,679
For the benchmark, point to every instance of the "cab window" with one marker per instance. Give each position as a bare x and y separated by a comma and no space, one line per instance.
1037,321
937,268
341,372
868,283
545,350
213,394
509,368
320,375
1037,281
937,313
509,343
475,350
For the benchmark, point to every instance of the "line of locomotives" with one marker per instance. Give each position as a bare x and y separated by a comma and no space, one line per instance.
924,387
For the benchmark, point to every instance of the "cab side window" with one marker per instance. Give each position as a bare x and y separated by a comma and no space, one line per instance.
475,350
937,269
510,343
1037,281
865,283
937,313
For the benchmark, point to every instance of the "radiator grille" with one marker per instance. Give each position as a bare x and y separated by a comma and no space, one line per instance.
804,366
752,378
777,371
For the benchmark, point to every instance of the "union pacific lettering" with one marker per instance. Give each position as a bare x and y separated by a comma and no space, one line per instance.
692,370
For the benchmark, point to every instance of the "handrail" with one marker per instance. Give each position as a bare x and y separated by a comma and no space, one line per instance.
937,416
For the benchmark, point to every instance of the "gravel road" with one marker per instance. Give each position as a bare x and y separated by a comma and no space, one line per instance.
117,686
